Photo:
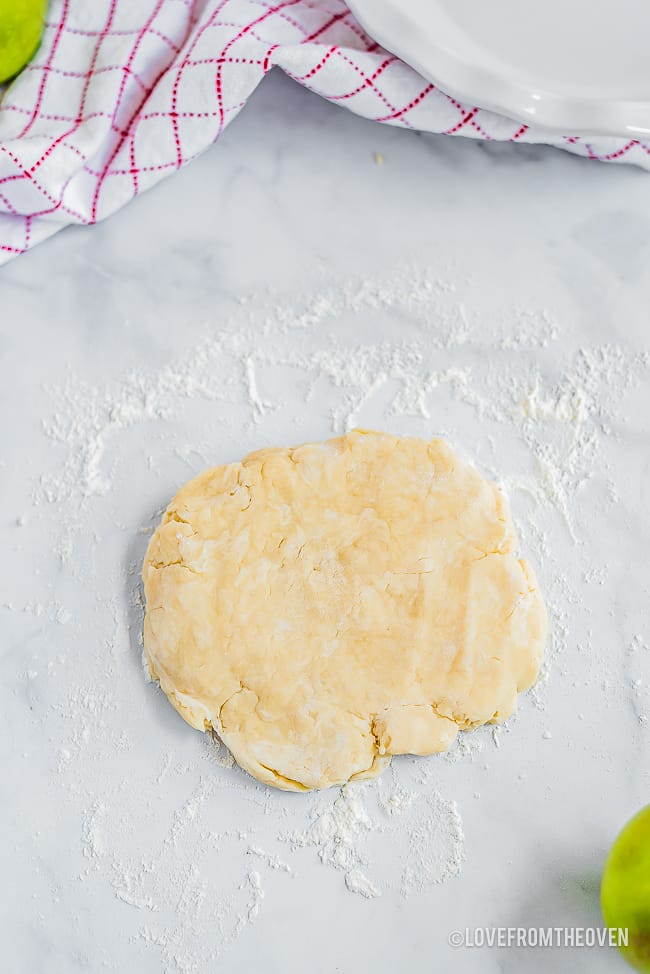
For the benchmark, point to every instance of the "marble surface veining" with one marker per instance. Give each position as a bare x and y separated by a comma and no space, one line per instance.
310,272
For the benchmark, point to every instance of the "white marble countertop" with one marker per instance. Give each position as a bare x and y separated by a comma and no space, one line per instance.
288,283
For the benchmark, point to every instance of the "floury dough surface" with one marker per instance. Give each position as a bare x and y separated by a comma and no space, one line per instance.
328,606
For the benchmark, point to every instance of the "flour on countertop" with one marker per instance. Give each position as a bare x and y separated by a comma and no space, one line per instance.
93,843
561,425
253,883
340,830
274,862
195,874
335,830
436,843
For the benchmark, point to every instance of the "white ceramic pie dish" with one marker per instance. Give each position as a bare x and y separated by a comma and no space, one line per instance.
572,67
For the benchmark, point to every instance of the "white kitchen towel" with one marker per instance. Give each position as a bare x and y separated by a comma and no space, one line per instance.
124,92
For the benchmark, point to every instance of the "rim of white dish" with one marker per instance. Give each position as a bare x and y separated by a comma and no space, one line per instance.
478,85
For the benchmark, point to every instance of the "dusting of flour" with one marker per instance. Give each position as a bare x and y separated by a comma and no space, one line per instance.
193,875
340,829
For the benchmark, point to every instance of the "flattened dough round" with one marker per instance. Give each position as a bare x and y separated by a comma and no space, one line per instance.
324,607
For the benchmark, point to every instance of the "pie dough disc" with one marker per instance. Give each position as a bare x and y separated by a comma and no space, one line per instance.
325,607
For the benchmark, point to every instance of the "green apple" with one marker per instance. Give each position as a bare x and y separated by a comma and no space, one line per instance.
21,27
625,888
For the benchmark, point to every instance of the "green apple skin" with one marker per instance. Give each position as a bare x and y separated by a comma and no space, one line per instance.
21,29
625,889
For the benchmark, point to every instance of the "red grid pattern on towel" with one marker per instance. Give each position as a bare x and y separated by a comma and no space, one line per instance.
123,92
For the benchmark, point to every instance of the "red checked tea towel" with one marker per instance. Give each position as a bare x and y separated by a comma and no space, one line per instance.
124,92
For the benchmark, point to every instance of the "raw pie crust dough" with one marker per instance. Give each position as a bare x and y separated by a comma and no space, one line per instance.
324,607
